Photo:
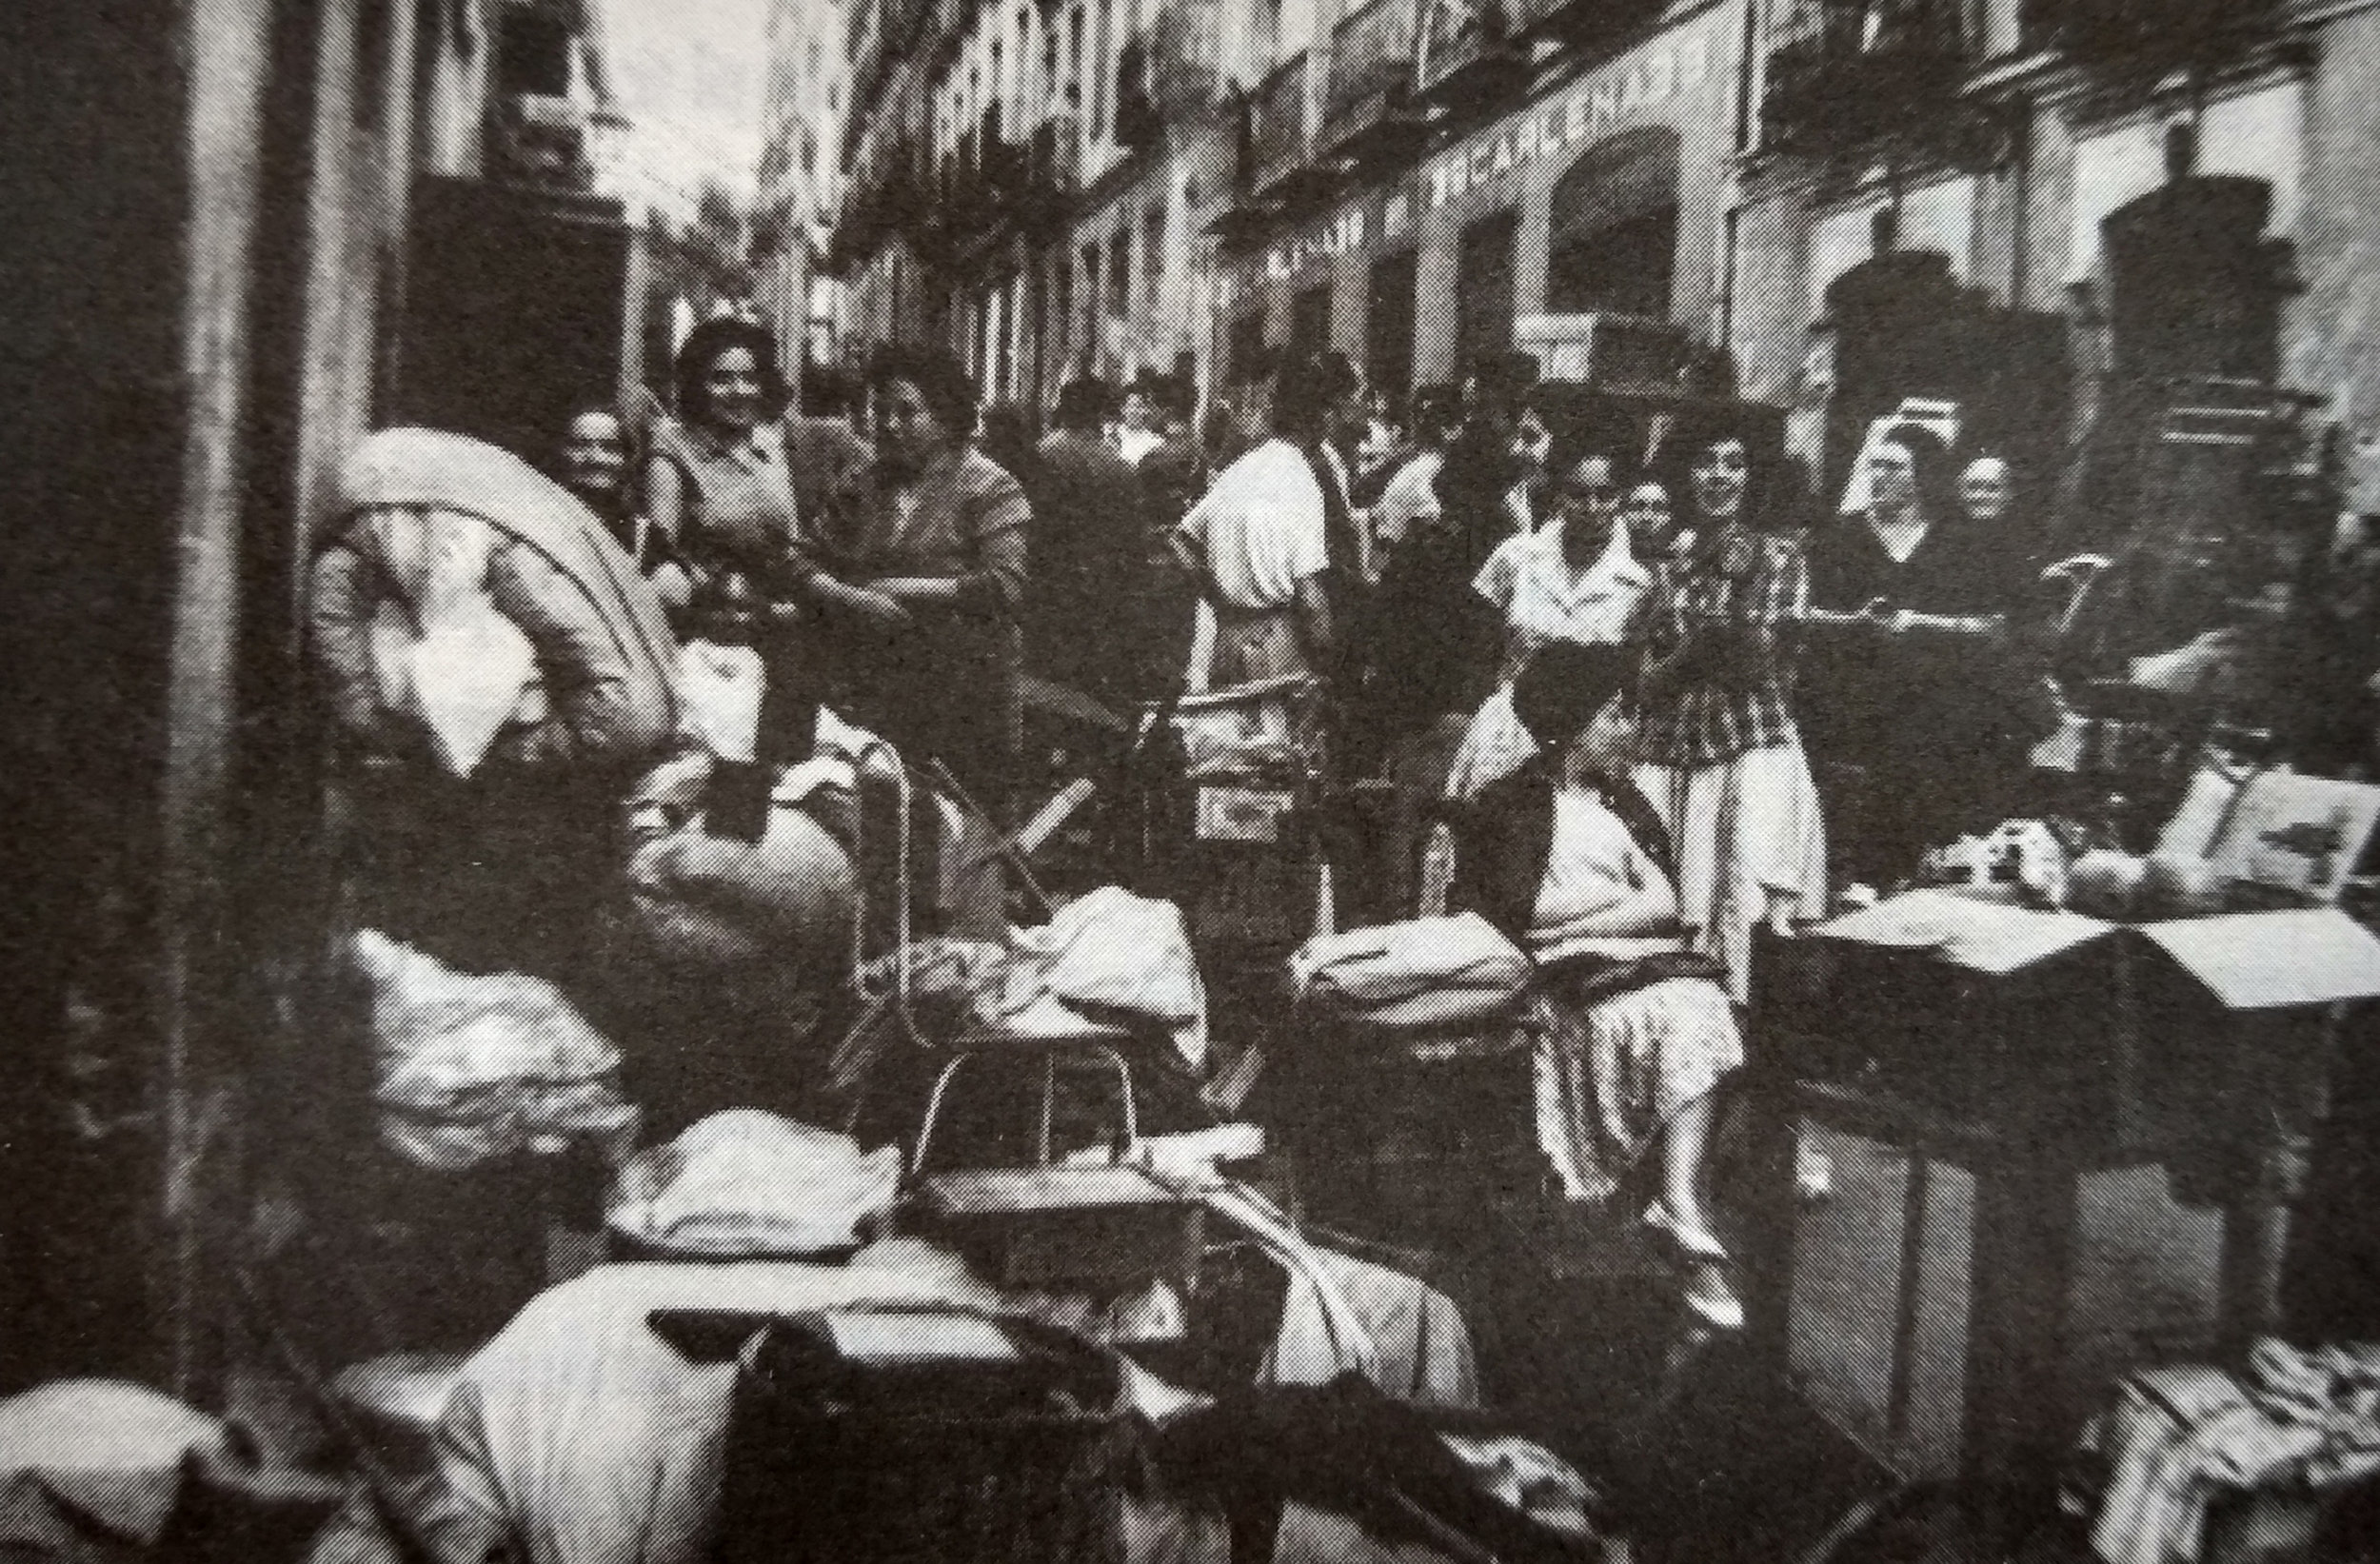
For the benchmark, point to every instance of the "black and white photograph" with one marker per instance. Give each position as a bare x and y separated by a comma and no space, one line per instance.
1190,781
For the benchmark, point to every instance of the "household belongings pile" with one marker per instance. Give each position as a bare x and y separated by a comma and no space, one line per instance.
459,587
581,1434
1427,973
745,1182
738,908
1109,959
471,1068
95,1470
2239,842
2292,1426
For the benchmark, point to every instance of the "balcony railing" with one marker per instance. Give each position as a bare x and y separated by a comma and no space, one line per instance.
1845,77
1466,51
540,140
1277,128
1368,107
1370,57
2143,45
1184,58
1584,21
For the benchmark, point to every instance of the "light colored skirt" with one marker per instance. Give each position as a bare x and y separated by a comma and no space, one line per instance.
1610,1074
1751,846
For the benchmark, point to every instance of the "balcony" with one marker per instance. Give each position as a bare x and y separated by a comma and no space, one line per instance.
1168,72
2128,45
1468,58
1368,109
1586,23
1278,167
1185,62
1853,81
877,209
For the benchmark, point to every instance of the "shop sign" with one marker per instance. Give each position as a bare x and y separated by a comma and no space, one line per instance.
1342,234
1648,80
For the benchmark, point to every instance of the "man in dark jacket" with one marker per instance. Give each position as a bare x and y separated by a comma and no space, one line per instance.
1088,549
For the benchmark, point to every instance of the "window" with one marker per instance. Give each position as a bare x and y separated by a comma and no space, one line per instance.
1119,273
1153,255
1091,333
1615,219
1102,88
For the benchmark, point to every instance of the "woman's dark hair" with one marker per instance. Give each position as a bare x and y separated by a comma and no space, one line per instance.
1695,432
631,438
1564,685
1436,408
1307,388
702,348
949,391
1084,402
1008,438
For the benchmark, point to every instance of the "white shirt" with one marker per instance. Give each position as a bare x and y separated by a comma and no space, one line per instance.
1135,444
1597,881
1410,496
1543,599
1260,529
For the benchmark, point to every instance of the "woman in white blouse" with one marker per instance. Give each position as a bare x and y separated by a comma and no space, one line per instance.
1576,580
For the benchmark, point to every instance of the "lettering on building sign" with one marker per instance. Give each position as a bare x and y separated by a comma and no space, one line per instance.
1649,81
1342,234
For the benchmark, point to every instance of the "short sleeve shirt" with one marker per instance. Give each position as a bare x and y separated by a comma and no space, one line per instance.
1261,529
1746,581
1544,600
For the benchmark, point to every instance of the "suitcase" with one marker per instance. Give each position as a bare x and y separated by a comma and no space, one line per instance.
919,1436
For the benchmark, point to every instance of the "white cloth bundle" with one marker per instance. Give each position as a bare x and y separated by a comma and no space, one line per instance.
470,1068
745,1182
1424,972
468,669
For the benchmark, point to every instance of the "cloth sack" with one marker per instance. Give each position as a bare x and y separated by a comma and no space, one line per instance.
470,1068
1424,972
1494,746
1109,955
88,1463
1107,959
720,689
702,899
747,1183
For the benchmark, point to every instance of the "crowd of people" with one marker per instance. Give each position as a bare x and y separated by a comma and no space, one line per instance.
1645,696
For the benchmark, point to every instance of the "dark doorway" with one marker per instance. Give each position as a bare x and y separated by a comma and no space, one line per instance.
1388,324
1483,300
1247,348
513,315
1614,239
1310,320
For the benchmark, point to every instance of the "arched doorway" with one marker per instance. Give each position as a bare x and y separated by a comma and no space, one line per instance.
1614,240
